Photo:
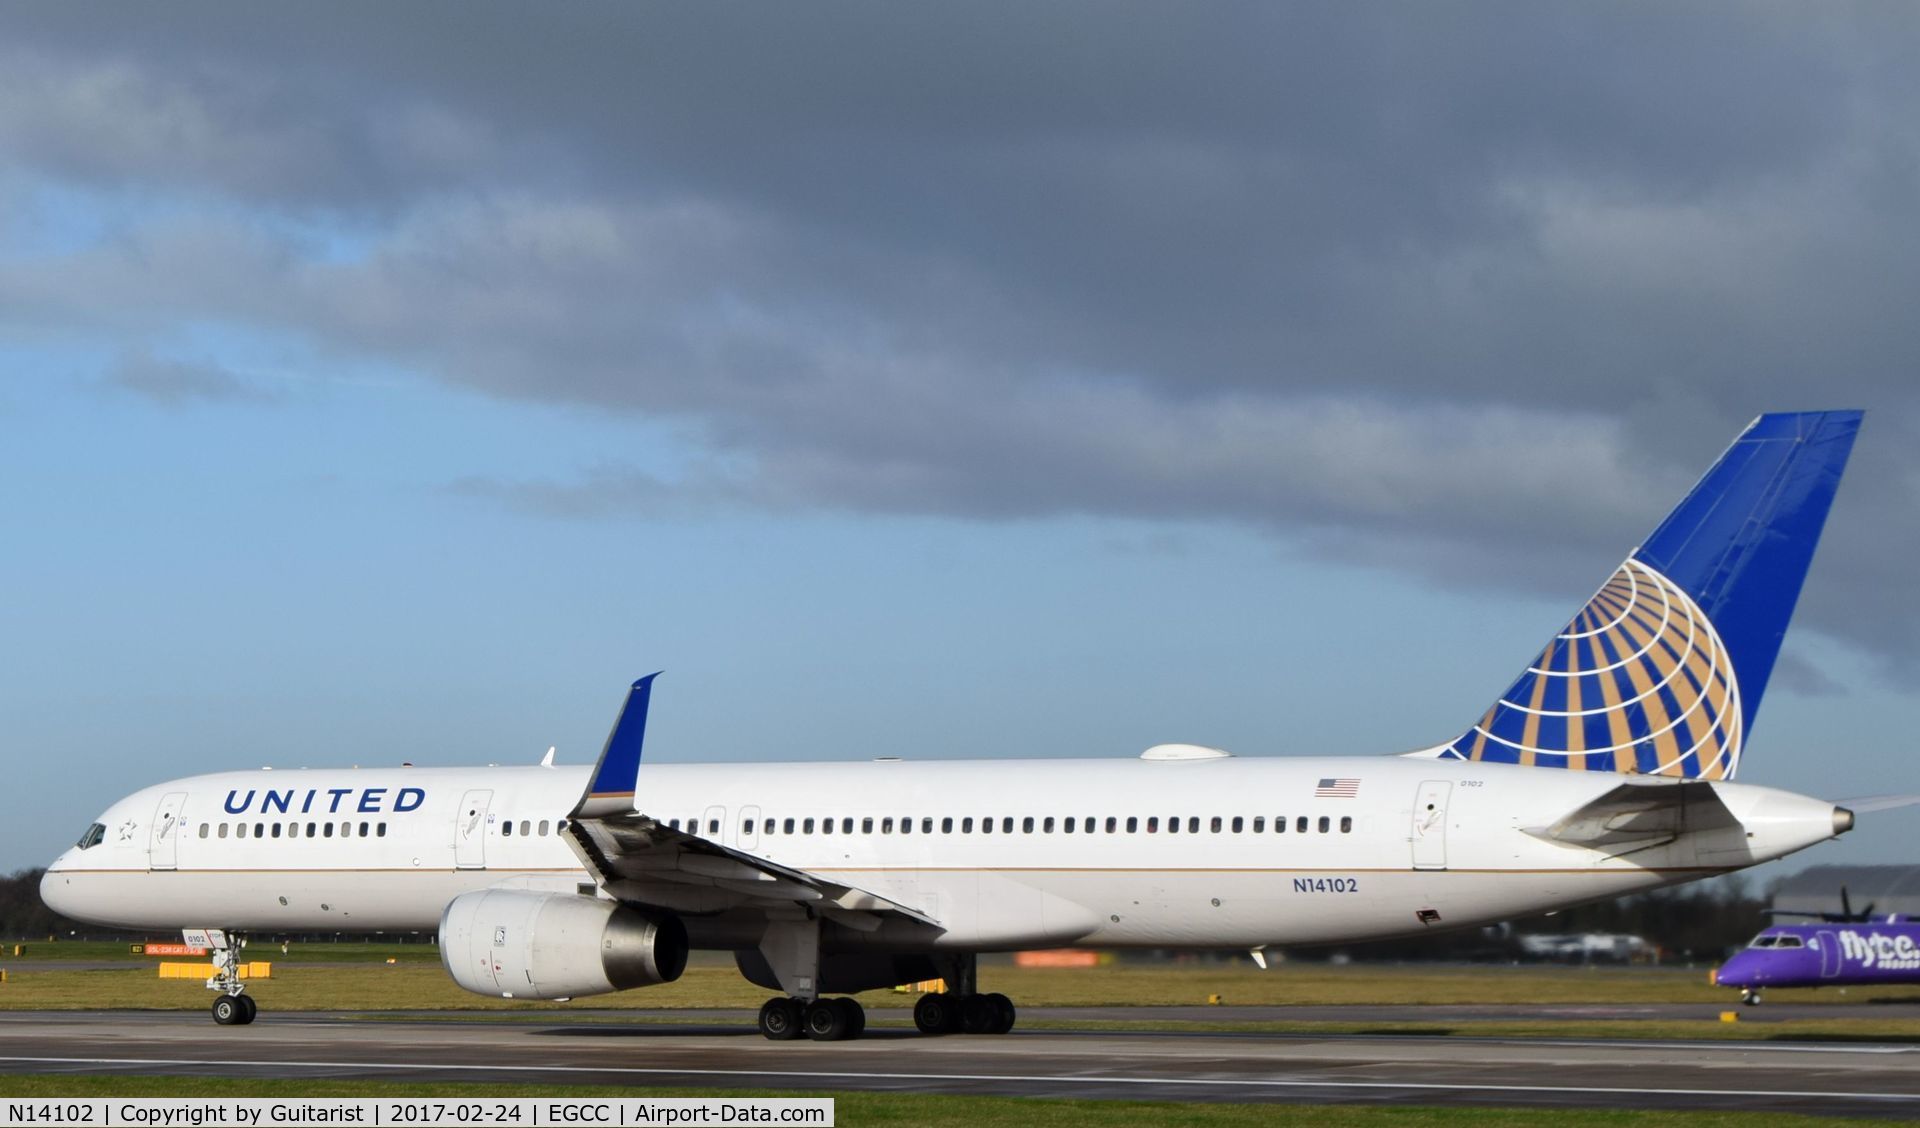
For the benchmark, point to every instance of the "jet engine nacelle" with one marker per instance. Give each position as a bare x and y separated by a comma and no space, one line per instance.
518,944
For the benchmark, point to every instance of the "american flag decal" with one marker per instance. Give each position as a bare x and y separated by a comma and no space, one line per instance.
1337,789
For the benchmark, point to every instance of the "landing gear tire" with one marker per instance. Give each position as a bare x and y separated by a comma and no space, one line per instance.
937,1013
782,1020
1750,998
231,1010
978,1015
1003,1013
856,1015
830,1020
252,1009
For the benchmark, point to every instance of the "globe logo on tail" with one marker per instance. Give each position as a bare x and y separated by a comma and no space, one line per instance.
1639,682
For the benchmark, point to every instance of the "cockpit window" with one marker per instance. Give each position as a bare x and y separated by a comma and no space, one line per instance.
92,837
1764,942
1789,942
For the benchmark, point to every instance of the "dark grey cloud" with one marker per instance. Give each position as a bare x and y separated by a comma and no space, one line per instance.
1473,292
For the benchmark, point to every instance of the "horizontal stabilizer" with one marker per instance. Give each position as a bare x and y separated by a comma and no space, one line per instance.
1641,812
1868,803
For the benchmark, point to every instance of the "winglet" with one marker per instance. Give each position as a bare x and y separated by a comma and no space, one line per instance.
612,785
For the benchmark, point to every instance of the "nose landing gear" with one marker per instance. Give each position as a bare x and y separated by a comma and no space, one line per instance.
234,1007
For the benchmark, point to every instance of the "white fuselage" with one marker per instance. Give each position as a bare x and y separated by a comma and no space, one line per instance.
1394,846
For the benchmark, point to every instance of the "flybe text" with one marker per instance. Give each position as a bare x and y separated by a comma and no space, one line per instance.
326,801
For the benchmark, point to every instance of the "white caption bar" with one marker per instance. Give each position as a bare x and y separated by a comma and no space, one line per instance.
584,1112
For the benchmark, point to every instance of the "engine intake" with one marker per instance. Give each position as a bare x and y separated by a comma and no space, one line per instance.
518,944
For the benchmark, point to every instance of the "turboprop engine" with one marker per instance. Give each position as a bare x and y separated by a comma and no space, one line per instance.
519,944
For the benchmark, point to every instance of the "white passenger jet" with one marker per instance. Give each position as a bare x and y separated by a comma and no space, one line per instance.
1606,768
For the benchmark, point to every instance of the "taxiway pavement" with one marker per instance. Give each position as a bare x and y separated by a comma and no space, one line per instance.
1833,1078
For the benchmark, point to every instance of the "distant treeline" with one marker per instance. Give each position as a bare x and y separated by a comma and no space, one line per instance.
1701,921
24,917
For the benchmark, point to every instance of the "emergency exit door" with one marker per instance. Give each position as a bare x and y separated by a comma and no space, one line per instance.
470,830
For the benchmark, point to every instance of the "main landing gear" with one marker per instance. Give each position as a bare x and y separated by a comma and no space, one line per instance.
823,1020
941,1013
791,948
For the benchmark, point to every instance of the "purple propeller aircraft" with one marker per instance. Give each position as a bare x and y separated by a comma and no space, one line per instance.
1844,949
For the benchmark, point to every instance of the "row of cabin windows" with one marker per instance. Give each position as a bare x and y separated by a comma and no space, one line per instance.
314,830
529,828
1238,824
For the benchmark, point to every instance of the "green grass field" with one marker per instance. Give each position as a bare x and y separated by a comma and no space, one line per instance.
343,978
940,1111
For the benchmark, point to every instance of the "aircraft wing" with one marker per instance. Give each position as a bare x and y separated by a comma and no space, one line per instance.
640,859
1643,811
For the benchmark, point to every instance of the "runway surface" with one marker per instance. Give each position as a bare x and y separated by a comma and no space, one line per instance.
1834,1078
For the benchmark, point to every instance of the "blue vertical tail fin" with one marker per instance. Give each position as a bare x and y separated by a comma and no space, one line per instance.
1662,671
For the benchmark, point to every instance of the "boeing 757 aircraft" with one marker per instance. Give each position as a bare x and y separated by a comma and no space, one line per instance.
1606,768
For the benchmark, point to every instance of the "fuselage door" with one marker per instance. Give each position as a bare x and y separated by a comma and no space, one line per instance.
1429,835
162,849
470,829
749,828
713,825
1829,954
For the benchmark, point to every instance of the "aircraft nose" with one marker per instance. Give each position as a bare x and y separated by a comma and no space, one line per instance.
56,890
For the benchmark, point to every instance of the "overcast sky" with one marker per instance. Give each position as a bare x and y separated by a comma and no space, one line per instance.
398,382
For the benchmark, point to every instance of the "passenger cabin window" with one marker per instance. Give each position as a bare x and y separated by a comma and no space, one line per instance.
1026,825
1346,824
926,825
1325,824
223,830
946,826
846,826
866,825
1259,824
787,827
329,831
1067,825
1236,824
807,827
986,826
826,826
713,826
1300,824
382,828
966,826
886,824
276,830
526,827
1133,823
1153,825
1006,825
1047,826
543,828
204,829
1173,825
